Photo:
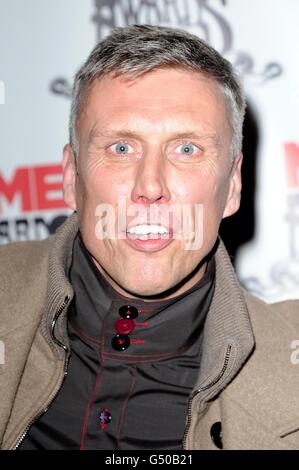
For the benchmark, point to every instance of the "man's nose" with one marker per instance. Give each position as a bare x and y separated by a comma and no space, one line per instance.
151,179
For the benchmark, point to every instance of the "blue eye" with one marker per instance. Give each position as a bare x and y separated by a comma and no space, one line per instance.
121,149
187,149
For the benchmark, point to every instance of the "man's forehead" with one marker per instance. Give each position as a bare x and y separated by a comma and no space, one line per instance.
166,85
125,109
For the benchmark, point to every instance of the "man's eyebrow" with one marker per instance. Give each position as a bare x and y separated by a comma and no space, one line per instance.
123,133
111,133
213,137
114,133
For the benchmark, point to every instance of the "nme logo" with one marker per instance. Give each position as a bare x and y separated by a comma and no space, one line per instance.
38,188
292,164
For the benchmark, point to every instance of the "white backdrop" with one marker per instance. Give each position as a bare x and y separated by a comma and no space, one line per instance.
42,44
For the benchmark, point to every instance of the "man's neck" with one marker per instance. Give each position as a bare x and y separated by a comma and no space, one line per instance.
184,285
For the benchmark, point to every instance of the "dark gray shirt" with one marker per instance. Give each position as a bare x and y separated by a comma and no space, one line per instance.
128,399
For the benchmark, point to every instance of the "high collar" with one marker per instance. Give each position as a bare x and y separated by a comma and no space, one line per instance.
162,327
228,338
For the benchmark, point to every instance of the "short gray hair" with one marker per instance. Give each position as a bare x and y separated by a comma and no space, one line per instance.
135,50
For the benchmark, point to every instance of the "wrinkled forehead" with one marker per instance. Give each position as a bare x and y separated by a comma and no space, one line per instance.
160,100
162,85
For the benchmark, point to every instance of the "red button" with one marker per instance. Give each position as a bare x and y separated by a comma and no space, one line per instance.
124,326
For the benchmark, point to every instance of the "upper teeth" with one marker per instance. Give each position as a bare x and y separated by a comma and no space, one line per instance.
145,229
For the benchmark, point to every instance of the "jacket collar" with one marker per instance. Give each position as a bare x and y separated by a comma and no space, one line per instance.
60,292
228,337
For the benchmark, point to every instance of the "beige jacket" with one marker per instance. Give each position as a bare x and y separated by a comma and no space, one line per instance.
247,381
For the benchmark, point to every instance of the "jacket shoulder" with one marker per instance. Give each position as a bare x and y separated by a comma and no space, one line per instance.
17,259
23,281
264,392
282,315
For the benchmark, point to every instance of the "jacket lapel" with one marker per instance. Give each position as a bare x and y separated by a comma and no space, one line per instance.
228,342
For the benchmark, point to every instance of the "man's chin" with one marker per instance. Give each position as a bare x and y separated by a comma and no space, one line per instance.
146,290
143,292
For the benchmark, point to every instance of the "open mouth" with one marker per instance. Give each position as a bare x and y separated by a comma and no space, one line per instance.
149,232
149,237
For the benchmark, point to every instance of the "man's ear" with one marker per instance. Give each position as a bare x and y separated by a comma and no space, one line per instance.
235,187
69,177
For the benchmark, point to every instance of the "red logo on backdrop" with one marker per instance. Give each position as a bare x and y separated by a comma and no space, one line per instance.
34,185
38,192
292,164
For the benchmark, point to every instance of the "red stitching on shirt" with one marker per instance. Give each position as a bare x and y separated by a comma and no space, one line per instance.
149,357
83,335
137,341
93,393
124,406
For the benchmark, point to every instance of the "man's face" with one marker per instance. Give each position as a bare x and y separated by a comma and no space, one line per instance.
160,141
